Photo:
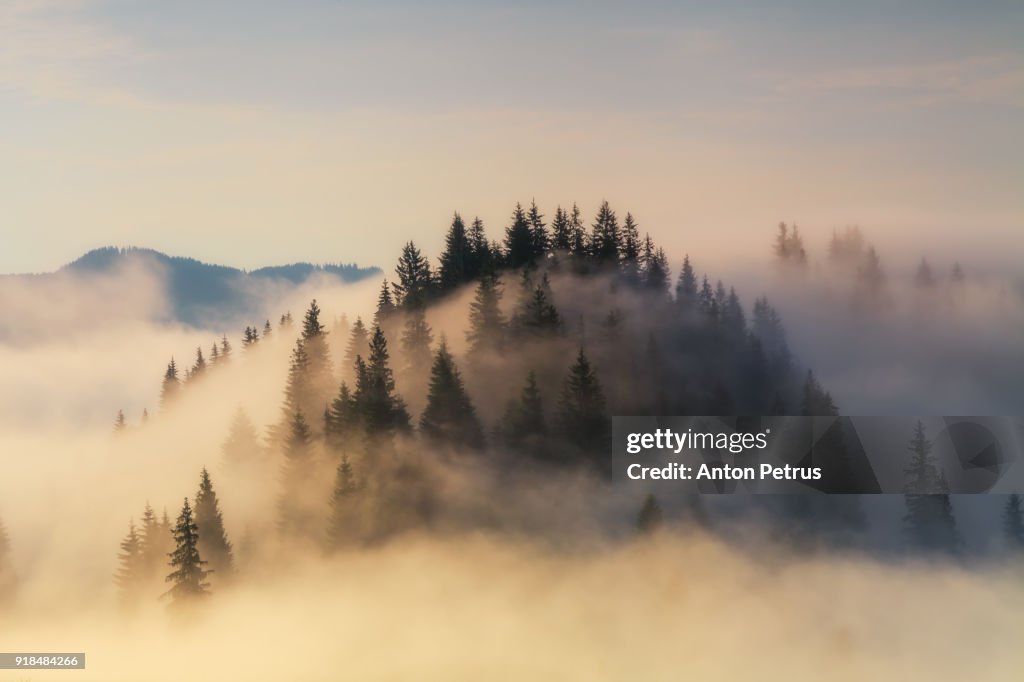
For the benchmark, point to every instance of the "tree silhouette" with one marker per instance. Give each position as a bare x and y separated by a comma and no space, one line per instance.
582,412
213,540
188,579
171,385
519,245
343,526
131,574
929,519
486,321
449,417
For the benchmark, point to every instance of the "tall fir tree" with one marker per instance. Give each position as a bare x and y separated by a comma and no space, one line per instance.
578,244
296,520
199,366
380,410
171,385
654,268
519,243
482,256
540,242
416,339
487,324
455,266
213,540
536,315
385,306
582,411
130,577
605,241
561,233
630,254
358,339
188,577
415,280
343,528
523,423
929,520
449,416
686,288
342,419
1013,523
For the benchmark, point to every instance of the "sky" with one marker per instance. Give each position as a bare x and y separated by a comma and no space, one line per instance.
260,133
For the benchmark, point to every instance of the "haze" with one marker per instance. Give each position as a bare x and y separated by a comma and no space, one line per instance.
299,130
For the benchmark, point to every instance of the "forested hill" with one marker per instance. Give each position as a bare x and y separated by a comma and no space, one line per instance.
198,290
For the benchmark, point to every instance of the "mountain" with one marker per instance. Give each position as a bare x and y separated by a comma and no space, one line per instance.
200,291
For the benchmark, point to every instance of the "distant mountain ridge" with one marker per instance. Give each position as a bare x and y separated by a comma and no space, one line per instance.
200,291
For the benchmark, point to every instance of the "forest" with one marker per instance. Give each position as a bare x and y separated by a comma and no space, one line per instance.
481,390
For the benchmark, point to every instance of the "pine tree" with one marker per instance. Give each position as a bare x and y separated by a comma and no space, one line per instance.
294,517
630,258
343,526
582,413
519,244
414,278
539,240
486,321
225,348
188,579
923,278
416,338
213,540
342,418
523,422
605,241
171,385
380,410
242,448
537,315
199,366
357,341
320,368
654,268
1013,523
929,519
457,256
577,234
154,541
250,337
214,354
686,288
561,234
296,390
267,330
385,307
650,518
449,416
130,576
119,422
482,257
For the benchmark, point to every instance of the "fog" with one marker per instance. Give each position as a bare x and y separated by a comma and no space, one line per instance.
552,585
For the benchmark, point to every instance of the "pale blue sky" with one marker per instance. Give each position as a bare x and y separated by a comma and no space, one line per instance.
259,132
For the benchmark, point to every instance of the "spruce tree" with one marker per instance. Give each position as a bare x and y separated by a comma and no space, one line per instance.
225,348
153,544
119,421
929,519
539,240
486,321
342,418
449,416
630,256
131,575
268,330
654,268
213,540
519,241
1013,523
380,410
295,519
686,288
523,422
582,412
214,354
188,579
242,449
343,526
171,385
319,380
416,338
385,307
482,256
650,518
296,391
605,241
537,315
561,234
250,337
578,245
414,278
358,339
456,259
199,366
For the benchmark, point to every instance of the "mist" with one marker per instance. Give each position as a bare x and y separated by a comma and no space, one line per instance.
532,572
